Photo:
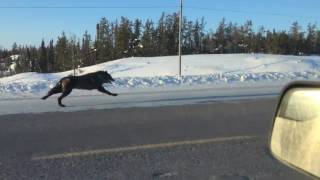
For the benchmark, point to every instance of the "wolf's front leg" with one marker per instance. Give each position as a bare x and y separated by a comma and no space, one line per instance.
101,89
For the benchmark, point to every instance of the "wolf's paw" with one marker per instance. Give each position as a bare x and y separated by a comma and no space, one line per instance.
62,105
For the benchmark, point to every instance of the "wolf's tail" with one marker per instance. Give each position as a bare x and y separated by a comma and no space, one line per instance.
56,89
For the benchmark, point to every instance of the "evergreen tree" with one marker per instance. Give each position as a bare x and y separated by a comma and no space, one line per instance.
31,64
14,49
272,42
74,47
123,36
259,41
136,36
296,38
148,39
198,34
172,29
317,50
248,36
34,66
284,42
229,39
311,39
43,61
137,29
51,57
187,37
220,38
162,37
63,55
103,44
87,51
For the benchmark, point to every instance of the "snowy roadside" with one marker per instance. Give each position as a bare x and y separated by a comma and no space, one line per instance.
35,89
217,75
144,97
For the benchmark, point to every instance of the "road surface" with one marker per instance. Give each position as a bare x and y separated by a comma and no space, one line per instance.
214,140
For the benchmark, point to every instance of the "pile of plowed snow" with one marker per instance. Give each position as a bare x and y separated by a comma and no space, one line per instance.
142,72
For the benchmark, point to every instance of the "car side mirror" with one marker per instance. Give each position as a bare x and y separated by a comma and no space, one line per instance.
295,137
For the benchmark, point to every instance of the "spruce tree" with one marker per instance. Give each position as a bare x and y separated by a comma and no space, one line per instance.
51,57
317,50
123,35
63,54
148,39
311,39
87,51
43,61
296,38
162,37
220,37
103,44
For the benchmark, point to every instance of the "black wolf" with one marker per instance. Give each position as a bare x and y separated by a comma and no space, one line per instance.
88,81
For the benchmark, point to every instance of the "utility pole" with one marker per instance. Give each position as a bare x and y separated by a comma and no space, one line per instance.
180,37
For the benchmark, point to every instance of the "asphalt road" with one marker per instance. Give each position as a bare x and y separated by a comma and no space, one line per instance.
214,141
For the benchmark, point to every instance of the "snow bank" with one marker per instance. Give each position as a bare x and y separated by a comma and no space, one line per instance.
131,73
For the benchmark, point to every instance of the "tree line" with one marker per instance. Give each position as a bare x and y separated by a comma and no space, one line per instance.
113,40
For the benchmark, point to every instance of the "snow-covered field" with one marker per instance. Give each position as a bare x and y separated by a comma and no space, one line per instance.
161,73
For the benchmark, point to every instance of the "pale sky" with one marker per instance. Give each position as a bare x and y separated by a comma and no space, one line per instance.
28,21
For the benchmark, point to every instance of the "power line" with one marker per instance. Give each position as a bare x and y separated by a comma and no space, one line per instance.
251,12
159,7
88,7
105,1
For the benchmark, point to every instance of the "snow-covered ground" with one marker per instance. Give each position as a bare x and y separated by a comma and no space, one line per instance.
155,79
161,73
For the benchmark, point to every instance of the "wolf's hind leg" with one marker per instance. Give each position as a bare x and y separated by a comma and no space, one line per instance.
64,94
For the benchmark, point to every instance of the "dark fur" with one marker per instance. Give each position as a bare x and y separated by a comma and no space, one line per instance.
88,81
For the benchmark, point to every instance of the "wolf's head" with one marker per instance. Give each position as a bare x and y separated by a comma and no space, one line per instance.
104,77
